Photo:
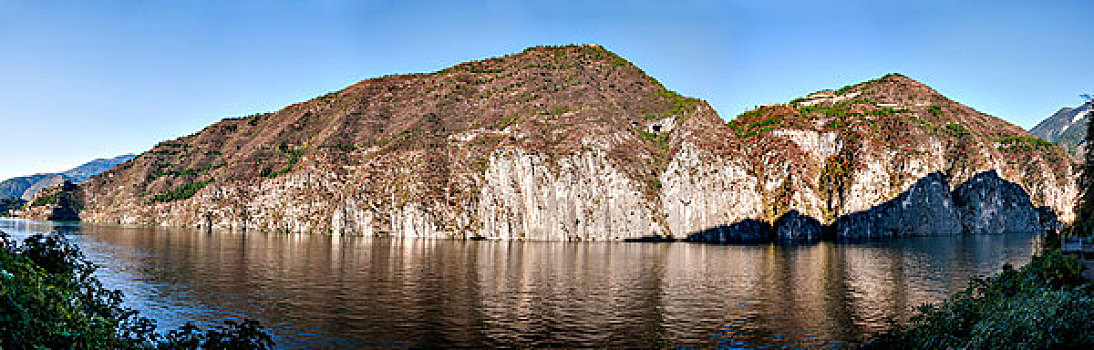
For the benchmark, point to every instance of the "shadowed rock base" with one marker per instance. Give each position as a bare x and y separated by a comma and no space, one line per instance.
797,227
986,204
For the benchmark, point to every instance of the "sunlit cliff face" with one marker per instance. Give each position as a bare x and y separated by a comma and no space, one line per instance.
565,143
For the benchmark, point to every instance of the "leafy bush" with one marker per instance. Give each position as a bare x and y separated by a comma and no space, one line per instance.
50,299
957,130
886,111
1044,305
294,154
935,110
1015,144
755,122
183,192
659,138
678,105
45,200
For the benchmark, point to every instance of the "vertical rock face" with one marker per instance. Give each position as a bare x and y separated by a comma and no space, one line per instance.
989,204
575,143
926,209
986,204
795,227
700,192
891,134
582,197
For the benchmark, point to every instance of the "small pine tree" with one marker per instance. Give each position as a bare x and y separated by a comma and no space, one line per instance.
1084,212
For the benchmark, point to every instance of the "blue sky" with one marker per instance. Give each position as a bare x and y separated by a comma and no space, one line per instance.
87,79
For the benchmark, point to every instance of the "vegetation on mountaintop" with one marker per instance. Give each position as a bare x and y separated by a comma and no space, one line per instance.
876,118
548,100
1016,144
428,138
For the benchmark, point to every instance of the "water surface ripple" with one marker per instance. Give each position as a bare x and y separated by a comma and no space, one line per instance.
354,292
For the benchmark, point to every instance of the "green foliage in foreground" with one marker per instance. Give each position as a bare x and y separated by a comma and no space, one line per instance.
49,299
1043,305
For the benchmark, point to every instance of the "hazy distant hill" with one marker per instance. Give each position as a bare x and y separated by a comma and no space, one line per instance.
16,186
1066,127
26,186
577,143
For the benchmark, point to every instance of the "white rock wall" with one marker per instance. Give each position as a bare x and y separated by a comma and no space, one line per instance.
698,193
579,197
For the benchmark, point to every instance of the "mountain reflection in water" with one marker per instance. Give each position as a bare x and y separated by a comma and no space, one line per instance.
323,291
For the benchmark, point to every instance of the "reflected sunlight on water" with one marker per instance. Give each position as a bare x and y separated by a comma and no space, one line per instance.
323,291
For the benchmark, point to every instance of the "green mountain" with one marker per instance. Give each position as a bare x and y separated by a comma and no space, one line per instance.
1066,127
26,187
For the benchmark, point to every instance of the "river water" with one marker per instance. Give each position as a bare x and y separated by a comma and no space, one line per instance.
354,292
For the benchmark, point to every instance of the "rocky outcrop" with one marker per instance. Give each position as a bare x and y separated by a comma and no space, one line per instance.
927,209
700,191
575,143
61,202
744,231
794,227
987,204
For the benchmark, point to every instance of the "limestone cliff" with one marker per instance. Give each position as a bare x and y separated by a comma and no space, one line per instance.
846,156
566,143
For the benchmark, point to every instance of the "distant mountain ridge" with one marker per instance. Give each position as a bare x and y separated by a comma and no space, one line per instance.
26,186
1066,128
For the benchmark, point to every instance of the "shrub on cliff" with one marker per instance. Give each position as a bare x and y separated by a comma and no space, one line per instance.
1044,305
50,299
